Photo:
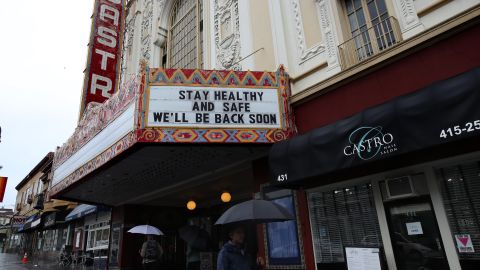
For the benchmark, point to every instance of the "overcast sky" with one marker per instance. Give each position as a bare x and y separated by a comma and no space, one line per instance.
43,51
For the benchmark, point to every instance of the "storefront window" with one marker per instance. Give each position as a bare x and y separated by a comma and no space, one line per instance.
91,239
98,236
343,217
115,244
460,185
282,237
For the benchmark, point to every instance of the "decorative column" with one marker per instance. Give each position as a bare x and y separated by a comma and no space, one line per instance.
329,34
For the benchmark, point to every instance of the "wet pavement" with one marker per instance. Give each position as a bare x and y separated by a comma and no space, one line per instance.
11,261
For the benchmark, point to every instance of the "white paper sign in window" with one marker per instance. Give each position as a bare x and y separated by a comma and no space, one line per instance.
414,228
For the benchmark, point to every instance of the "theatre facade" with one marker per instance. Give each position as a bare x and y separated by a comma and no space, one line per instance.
365,126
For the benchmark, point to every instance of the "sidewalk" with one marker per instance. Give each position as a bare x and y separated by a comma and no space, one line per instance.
10,261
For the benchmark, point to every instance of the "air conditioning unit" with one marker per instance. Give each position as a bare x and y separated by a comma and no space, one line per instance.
30,199
400,187
39,199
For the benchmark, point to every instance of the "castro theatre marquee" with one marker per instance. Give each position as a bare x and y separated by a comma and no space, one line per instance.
208,108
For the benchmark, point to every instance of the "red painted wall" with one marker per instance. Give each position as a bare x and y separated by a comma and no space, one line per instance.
440,61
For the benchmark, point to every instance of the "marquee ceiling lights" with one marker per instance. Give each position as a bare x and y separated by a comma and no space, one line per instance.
191,205
226,197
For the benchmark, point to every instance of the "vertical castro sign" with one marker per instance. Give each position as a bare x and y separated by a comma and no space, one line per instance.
104,52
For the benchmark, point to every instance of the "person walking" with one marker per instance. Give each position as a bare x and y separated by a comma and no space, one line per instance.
151,253
232,256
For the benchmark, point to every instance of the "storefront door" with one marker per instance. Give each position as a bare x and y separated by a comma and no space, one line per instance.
416,240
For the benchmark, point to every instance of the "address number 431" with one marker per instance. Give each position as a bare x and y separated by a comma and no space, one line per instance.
282,177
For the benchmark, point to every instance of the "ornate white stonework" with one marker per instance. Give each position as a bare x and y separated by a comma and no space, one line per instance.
146,29
227,34
328,32
408,18
127,46
408,12
303,52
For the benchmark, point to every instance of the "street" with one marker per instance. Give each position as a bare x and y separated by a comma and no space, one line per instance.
10,261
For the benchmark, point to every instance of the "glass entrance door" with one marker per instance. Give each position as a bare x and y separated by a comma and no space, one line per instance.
415,236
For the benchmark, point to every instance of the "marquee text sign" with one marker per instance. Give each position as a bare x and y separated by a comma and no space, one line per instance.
104,51
213,107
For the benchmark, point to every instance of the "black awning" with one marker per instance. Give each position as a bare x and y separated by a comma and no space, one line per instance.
443,112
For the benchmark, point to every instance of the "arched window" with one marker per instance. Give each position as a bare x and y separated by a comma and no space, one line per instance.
185,35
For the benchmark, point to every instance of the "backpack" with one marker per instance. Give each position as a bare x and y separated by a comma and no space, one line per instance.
151,252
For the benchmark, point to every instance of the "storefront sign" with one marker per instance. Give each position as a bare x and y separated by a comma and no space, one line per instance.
415,124
49,220
368,142
213,107
18,221
35,223
363,258
464,243
104,52
414,228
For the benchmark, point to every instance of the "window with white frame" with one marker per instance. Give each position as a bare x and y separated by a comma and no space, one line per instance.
365,14
371,30
39,187
28,193
98,236
185,35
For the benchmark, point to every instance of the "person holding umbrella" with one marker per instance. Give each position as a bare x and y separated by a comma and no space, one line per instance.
151,253
232,256
151,250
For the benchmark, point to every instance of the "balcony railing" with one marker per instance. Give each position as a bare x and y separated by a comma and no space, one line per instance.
370,42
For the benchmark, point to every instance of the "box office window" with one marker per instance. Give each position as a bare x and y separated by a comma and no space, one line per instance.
342,217
460,186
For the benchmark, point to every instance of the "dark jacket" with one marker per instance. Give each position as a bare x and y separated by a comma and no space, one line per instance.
232,257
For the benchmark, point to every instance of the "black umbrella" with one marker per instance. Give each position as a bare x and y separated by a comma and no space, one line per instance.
195,236
257,211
